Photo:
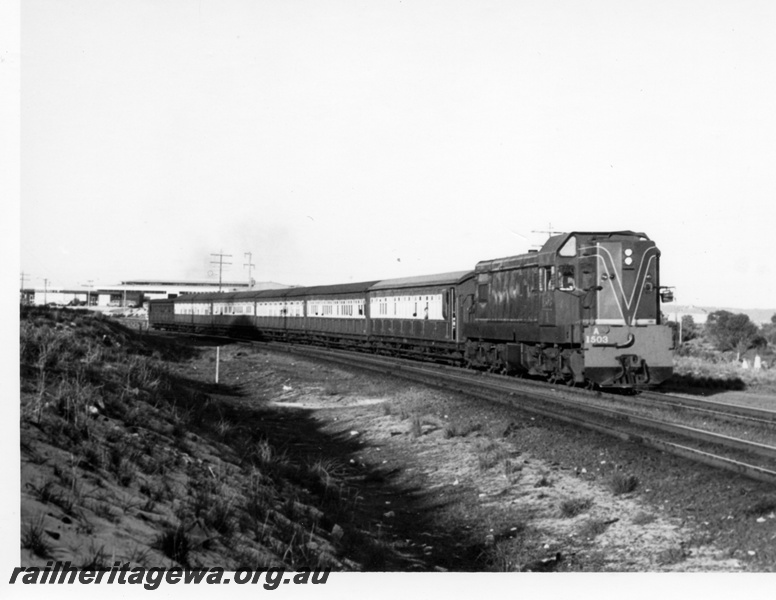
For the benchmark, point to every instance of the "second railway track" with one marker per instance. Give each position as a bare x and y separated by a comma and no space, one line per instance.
753,459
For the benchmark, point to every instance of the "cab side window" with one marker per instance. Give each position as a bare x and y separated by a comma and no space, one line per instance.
566,277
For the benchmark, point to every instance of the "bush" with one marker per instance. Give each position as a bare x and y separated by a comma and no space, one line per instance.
574,506
623,484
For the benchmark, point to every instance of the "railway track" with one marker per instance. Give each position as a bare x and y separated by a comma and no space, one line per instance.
710,407
752,459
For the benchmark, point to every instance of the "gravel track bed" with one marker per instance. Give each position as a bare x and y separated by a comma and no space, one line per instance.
509,491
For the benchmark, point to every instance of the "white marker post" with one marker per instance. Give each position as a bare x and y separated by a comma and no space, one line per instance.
218,360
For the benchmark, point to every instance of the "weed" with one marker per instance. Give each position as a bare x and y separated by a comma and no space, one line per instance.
623,484
48,494
334,389
97,559
264,456
105,510
93,456
125,472
324,470
45,493
155,493
452,430
500,557
173,542
671,556
574,506
140,557
544,481
127,503
220,517
224,428
643,518
593,527
33,538
761,507
416,429
121,465
490,453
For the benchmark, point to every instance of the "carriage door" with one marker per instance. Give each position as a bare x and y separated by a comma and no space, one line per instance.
449,314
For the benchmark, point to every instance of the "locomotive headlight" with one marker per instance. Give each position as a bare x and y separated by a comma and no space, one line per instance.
628,260
628,252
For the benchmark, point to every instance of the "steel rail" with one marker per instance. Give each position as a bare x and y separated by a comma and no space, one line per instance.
469,384
762,415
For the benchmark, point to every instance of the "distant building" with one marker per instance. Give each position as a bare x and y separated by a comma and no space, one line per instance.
675,313
137,292
63,297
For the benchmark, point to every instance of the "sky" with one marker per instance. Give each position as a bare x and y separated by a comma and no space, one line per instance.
341,141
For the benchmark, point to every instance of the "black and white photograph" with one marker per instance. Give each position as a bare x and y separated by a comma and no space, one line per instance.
433,291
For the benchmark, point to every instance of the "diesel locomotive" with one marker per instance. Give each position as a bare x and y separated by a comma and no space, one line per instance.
585,308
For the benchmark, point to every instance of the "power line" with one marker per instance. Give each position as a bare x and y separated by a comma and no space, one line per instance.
221,264
549,231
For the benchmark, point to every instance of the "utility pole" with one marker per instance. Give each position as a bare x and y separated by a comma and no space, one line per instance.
45,291
221,264
250,265
549,231
89,284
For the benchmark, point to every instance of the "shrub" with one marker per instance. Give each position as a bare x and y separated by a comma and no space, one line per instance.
623,484
593,527
490,453
33,539
574,506
461,429
173,542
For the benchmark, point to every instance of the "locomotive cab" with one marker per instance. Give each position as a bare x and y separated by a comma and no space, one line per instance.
624,342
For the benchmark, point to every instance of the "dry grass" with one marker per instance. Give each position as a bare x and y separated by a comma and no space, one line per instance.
643,518
574,506
593,528
490,453
620,483
153,446
34,539
721,374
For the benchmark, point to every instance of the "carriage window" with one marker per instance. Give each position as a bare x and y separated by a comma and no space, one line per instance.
482,292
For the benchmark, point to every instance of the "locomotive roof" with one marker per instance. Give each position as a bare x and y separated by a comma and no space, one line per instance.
546,255
325,290
422,280
556,242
